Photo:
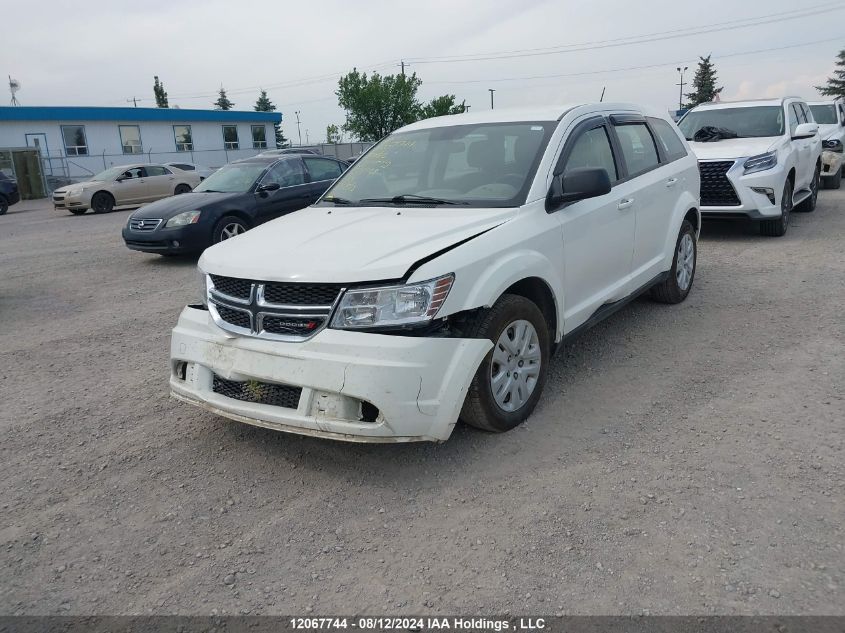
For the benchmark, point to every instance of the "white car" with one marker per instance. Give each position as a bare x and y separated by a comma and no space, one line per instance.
830,115
758,159
435,279
204,172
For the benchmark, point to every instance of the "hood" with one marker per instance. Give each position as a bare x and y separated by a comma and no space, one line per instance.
77,186
168,207
347,244
828,130
732,148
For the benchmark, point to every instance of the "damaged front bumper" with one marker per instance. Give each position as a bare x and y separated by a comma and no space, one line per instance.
831,163
339,384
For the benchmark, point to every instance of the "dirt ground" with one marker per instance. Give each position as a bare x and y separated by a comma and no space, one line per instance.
684,459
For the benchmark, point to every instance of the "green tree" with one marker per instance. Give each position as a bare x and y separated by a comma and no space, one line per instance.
160,94
263,104
835,85
333,134
377,105
704,83
223,102
442,106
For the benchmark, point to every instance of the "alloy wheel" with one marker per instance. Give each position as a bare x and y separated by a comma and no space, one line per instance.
233,229
685,262
515,366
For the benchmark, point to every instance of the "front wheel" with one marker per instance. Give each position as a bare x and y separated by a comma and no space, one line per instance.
677,285
508,383
102,202
833,182
777,227
4,205
227,228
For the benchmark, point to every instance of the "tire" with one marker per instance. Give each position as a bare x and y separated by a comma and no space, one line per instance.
505,322
102,202
228,227
809,205
833,182
4,205
78,211
778,226
678,284
182,188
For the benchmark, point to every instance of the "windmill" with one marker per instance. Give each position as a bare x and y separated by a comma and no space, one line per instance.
14,86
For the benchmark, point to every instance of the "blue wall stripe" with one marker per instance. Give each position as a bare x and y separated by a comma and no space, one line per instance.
75,114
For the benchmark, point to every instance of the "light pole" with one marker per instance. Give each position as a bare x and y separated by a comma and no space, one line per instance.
681,85
491,97
298,130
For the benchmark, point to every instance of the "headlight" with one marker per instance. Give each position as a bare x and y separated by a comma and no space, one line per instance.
761,162
202,281
833,145
182,219
392,305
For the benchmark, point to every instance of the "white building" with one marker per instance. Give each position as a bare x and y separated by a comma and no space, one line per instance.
76,142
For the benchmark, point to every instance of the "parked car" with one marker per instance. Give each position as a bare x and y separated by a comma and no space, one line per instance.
204,172
830,116
758,159
9,193
438,275
232,200
291,150
123,186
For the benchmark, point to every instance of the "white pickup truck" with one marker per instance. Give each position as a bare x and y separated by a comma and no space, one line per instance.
758,159
830,116
434,280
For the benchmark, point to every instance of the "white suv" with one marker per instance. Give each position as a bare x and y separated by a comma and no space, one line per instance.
436,277
758,159
830,115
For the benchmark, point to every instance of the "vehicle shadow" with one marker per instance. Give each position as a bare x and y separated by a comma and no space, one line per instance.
730,230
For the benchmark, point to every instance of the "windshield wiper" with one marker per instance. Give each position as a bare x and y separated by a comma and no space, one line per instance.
412,198
337,200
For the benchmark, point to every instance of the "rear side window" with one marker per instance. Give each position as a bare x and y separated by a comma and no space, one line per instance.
184,166
592,149
156,170
322,168
637,147
672,146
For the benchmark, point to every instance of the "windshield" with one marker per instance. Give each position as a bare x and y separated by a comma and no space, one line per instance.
824,114
233,178
753,122
484,165
110,174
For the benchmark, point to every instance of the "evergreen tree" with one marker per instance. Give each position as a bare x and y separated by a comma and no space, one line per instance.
160,94
704,83
223,102
333,134
835,85
263,104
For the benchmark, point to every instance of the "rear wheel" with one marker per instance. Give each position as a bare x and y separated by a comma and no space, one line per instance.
677,285
778,226
809,204
102,202
228,227
182,188
508,383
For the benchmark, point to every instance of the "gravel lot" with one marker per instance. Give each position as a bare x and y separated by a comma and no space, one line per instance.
685,459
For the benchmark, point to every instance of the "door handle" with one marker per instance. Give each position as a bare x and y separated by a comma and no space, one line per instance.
671,182
625,203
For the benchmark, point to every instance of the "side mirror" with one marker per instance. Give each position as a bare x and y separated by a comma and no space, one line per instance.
578,184
805,130
270,186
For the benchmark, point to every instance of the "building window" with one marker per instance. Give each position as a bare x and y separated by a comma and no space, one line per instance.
184,141
75,143
130,139
230,137
259,137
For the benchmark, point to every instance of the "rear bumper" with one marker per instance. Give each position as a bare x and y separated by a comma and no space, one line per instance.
417,384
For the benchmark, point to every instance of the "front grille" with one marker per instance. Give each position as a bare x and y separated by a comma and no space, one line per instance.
58,197
301,294
238,288
258,392
296,326
716,189
144,224
238,318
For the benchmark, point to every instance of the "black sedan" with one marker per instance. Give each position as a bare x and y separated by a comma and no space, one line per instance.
232,200
9,193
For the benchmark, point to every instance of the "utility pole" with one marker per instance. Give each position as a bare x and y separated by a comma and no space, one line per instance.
602,94
133,100
307,142
491,97
402,64
298,130
681,90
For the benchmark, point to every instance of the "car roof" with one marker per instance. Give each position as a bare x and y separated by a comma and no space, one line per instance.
746,103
